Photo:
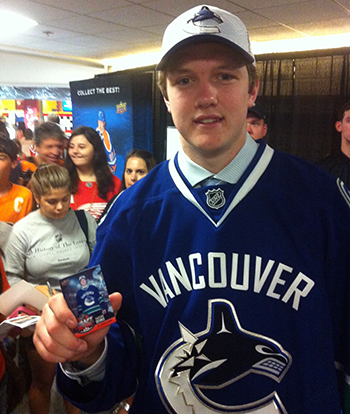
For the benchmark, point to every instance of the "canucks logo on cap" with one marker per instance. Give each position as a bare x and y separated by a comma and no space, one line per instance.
223,369
207,16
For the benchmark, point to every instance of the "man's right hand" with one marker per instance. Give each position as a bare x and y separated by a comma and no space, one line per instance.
54,338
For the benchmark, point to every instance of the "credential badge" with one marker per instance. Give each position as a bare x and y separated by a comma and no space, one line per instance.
215,198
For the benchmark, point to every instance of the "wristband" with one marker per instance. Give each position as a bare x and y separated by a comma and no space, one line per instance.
120,406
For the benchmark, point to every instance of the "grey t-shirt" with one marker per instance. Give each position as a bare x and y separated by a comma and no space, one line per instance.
41,249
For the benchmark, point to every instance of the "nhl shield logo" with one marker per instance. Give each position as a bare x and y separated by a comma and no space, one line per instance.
215,198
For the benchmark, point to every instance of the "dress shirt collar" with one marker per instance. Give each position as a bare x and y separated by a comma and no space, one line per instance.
194,173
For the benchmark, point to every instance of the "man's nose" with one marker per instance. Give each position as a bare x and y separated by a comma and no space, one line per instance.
206,94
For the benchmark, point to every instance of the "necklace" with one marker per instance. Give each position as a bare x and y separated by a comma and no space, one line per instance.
92,198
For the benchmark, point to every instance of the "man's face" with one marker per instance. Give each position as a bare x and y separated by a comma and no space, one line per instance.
100,125
207,86
19,135
83,281
256,126
6,165
343,127
49,151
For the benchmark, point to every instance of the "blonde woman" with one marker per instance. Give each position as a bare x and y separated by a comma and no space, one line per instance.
47,245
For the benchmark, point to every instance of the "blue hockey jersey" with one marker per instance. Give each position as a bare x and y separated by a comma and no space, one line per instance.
235,297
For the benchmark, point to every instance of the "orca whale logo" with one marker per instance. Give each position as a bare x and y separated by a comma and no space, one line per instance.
206,14
224,369
205,21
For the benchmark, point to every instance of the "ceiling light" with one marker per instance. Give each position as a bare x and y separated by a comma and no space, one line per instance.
302,44
14,23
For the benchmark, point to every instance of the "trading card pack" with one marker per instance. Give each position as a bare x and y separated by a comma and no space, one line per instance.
87,297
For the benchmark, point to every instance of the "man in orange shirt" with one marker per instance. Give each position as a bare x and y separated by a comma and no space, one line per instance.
15,200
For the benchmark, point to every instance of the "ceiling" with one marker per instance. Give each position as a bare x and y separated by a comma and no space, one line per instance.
100,29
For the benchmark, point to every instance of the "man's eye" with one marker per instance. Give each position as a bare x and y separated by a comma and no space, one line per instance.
226,76
183,81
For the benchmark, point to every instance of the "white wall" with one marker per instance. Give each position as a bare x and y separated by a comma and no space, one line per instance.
172,142
29,71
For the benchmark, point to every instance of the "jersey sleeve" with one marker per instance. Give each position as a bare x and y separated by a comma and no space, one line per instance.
339,295
119,382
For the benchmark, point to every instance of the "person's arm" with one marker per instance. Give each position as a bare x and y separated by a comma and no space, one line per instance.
92,227
15,257
54,337
28,202
5,283
56,342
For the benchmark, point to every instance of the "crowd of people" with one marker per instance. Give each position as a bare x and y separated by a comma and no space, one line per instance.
53,189
227,266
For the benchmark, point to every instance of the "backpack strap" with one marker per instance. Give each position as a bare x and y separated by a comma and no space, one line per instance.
80,214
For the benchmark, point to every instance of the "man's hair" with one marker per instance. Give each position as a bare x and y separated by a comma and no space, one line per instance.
48,130
48,177
3,130
251,68
53,118
8,147
341,112
21,126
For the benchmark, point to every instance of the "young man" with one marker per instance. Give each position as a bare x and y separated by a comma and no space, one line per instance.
339,164
15,200
235,293
256,122
49,139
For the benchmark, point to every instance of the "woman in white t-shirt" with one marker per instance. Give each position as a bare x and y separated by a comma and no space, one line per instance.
46,245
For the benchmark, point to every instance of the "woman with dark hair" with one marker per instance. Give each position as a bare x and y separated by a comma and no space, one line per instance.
138,163
93,184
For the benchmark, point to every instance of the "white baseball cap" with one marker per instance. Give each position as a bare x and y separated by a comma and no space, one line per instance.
205,24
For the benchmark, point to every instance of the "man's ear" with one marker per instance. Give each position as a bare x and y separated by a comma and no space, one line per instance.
167,103
37,199
265,129
253,94
339,126
13,164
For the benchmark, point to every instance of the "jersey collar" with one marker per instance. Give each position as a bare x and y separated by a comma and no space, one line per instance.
194,173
